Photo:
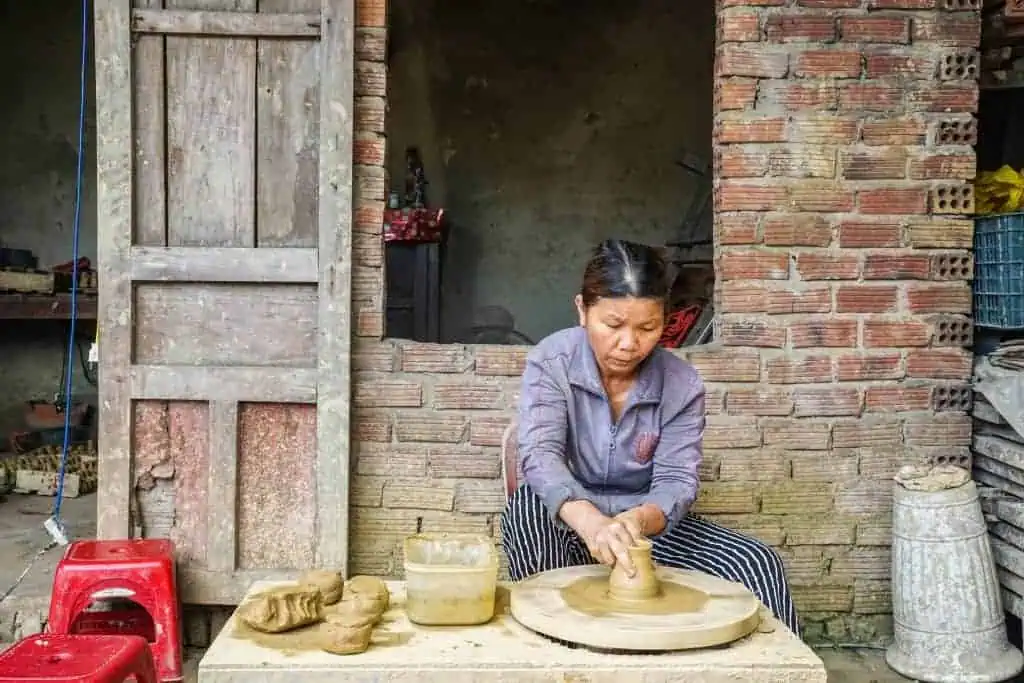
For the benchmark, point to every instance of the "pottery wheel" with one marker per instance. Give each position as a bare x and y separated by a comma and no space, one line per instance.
693,610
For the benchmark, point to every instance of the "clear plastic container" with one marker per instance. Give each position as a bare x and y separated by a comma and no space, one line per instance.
450,579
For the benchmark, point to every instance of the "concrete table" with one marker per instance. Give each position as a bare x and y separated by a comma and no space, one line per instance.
503,651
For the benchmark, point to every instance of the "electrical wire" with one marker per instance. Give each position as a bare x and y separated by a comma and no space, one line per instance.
79,176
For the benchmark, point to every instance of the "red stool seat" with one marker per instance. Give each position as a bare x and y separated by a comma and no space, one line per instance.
78,659
139,570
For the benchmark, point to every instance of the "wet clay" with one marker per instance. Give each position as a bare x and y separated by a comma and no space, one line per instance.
342,639
330,584
369,594
283,608
641,593
643,585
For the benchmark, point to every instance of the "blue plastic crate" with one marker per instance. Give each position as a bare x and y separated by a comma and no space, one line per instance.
999,271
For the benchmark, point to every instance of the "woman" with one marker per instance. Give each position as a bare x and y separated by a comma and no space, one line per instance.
610,431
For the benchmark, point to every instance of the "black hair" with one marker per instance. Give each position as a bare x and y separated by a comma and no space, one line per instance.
620,268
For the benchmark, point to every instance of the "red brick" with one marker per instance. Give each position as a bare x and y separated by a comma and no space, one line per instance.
823,334
821,197
794,96
954,297
797,230
892,201
882,266
824,129
752,130
870,97
740,162
858,234
368,217
795,370
829,64
752,3
898,64
867,29
738,196
955,364
749,297
869,367
792,27
753,265
945,430
881,164
816,266
371,13
789,301
829,4
944,167
948,99
796,434
736,93
755,62
885,399
896,131
753,332
737,228
739,26
727,365
866,433
501,361
834,401
895,333
368,148
866,299
802,161
467,396
761,401
902,4
959,29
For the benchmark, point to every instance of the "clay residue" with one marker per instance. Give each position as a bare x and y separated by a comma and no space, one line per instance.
591,596
283,609
343,628
932,479
329,583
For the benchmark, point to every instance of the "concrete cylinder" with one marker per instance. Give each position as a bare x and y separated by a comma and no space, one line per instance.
947,610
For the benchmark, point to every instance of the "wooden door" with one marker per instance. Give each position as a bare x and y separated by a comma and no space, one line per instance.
224,189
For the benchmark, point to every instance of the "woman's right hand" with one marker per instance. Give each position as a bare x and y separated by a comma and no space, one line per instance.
608,539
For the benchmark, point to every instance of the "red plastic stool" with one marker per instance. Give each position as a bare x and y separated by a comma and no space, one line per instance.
78,659
140,570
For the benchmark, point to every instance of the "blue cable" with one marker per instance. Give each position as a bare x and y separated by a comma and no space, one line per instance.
82,98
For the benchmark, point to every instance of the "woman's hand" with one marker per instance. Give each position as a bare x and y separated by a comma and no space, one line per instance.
608,539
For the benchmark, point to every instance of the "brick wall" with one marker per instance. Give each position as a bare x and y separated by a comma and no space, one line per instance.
843,131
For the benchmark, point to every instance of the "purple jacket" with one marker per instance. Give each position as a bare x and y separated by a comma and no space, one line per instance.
570,449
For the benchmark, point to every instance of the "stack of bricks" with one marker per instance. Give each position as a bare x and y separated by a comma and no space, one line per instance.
843,133
843,150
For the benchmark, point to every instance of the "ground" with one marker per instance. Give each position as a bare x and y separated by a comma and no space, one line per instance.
21,531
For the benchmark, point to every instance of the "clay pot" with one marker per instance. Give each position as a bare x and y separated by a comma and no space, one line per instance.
644,583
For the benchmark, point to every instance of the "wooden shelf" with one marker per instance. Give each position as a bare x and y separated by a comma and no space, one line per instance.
45,307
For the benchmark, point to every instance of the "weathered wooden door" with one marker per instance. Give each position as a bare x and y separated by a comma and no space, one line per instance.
224,188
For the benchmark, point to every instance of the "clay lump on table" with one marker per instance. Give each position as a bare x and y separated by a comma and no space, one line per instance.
344,613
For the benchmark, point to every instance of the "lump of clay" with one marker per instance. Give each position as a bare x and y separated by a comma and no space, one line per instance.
283,608
330,584
342,639
370,592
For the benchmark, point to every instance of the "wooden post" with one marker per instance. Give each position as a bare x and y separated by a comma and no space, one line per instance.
337,30
114,202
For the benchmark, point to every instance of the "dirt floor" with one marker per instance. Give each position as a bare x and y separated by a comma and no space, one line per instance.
22,536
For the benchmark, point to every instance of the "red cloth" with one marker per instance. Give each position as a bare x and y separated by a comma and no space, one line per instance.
413,225
678,326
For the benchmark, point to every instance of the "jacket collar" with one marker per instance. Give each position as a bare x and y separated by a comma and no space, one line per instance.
584,373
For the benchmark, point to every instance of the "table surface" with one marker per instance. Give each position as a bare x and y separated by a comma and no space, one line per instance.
501,645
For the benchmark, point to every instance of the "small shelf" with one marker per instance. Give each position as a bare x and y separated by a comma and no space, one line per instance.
46,307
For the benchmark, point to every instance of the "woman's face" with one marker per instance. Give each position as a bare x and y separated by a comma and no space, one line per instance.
622,331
